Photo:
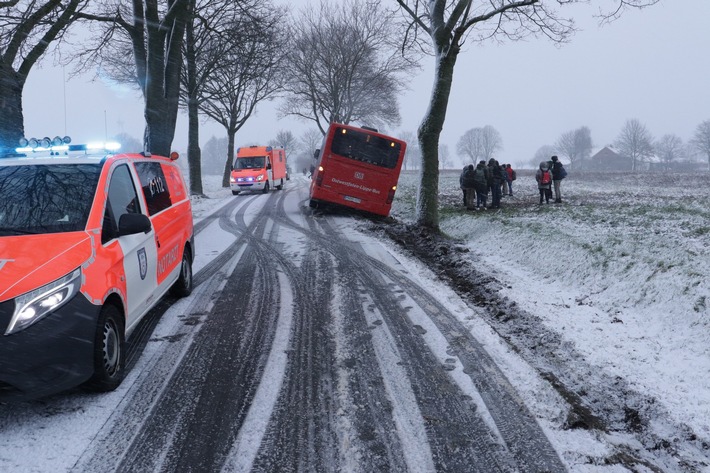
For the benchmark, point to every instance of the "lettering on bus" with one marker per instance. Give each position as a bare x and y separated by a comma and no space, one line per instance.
167,260
356,186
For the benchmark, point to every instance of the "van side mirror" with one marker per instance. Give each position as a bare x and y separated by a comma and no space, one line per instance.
130,224
316,153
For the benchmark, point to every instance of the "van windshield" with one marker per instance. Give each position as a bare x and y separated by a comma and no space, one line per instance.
256,162
46,199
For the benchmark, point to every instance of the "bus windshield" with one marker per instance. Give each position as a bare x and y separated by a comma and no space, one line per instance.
256,162
366,148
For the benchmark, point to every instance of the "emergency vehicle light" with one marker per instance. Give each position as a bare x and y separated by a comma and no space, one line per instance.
44,144
108,146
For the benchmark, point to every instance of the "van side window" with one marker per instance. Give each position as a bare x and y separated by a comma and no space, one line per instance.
155,187
122,199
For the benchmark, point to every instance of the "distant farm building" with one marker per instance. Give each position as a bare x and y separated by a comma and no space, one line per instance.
608,159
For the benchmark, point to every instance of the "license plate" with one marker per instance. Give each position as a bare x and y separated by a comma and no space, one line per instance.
352,199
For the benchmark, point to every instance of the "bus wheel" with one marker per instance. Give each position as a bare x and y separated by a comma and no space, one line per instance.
235,192
266,187
280,186
108,351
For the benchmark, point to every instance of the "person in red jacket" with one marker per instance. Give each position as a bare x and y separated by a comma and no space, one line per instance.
511,178
543,176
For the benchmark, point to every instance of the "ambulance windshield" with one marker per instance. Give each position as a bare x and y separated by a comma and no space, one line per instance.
255,162
46,198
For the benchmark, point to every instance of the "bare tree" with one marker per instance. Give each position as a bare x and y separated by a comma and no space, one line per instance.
287,141
447,25
576,145
543,153
701,139
213,152
27,30
153,32
207,37
635,142
670,149
248,72
309,142
445,155
344,66
470,145
480,143
412,155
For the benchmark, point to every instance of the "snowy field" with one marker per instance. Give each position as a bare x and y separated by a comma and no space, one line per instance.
619,269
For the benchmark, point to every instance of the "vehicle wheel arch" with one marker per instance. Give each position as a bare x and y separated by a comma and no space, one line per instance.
109,347
183,286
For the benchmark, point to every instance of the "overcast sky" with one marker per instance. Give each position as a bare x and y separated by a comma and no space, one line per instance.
651,65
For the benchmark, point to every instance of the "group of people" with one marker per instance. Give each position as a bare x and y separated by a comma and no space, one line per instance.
549,177
497,179
476,182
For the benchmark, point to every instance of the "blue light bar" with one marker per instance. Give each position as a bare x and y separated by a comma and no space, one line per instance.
57,145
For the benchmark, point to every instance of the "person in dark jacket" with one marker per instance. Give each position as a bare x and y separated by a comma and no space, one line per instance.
557,176
463,171
481,179
495,181
468,184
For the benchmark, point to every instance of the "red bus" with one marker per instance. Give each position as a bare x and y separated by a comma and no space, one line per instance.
357,168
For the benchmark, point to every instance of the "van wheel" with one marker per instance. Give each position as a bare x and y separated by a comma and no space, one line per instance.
109,345
183,286
280,186
313,204
235,192
266,187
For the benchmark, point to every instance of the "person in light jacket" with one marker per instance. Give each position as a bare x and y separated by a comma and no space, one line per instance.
543,176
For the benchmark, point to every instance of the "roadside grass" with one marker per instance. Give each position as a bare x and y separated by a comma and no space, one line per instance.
618,232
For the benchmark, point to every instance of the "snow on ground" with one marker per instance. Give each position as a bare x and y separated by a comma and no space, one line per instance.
619,270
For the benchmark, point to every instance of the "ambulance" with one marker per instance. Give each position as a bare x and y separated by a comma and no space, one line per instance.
258,168
90,241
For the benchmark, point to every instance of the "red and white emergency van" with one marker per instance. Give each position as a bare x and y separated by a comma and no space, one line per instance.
258,168
90,240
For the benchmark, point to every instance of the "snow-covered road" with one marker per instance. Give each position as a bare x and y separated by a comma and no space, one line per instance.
307,345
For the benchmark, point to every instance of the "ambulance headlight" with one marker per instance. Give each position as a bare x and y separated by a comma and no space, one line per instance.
260,177
35,305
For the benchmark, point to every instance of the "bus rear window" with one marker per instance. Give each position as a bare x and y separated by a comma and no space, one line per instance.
365,148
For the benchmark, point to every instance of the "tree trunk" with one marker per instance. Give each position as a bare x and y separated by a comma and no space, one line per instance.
427,211
230,154
158,132
194,154
11,116
164,50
